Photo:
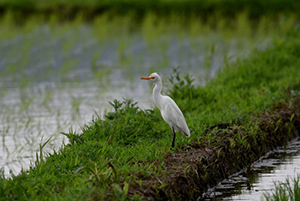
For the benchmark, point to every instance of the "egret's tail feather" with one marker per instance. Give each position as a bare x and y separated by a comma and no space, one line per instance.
187,134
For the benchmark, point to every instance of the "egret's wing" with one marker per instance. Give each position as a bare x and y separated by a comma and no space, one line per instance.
174,117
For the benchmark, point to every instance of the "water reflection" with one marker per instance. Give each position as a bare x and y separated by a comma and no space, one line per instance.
253,182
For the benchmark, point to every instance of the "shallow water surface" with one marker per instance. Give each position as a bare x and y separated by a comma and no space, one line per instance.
275,166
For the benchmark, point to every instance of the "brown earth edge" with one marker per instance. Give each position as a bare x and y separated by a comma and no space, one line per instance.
188,173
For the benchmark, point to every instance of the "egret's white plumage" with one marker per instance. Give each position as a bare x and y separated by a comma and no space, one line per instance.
168,108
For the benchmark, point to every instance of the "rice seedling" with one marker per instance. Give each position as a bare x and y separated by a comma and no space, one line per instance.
76,101
288,190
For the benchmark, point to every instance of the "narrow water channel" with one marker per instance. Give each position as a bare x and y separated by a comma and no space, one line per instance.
275,166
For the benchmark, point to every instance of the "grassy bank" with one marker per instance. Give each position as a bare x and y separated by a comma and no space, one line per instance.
244,112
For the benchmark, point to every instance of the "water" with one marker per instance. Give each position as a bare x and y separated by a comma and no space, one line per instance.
55,79
276,166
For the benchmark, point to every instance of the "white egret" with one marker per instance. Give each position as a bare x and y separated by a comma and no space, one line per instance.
168,108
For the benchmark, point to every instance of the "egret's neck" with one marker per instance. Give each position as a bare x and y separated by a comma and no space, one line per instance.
157,97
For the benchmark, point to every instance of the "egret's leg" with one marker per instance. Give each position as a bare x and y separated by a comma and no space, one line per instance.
174,136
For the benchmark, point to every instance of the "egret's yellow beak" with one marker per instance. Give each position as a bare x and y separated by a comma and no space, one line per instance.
147,78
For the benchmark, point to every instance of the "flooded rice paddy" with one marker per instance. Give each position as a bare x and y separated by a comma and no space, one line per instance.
53,79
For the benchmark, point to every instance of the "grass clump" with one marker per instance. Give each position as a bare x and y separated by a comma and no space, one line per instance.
128,151
285,191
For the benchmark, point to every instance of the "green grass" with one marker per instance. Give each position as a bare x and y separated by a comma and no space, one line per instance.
285,191
111,153
67,9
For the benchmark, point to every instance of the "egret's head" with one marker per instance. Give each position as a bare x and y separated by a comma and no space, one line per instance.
154,77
